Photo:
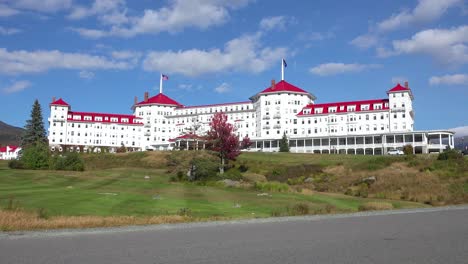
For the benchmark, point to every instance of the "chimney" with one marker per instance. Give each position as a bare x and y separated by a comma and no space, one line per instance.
146,96
135,101
53,99
273,84
406,85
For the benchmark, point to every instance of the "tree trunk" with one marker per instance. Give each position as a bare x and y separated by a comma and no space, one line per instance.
221,168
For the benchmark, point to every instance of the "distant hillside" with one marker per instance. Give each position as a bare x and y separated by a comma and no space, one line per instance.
461,137
10,135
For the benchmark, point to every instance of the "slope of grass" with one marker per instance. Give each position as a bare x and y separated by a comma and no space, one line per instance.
124,192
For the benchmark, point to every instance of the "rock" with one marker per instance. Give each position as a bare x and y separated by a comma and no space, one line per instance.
69,187
230,183
147,177
369,180
309,180
263,194
156,197
237,205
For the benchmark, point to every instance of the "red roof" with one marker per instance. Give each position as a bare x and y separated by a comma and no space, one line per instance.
398,88
10,149
159,99
60,101
283,86
358,104
187,136
212,105
105,118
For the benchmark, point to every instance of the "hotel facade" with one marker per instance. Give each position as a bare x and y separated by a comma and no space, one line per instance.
370,127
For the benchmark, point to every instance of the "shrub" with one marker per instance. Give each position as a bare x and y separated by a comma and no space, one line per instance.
363,190
42,213
72,161
271,186
202,164
243,167
36,156
299,209
184,211
450,154
233,174
15,164
296,181
408,150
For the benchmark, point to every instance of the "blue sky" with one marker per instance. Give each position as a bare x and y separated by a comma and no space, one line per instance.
97,55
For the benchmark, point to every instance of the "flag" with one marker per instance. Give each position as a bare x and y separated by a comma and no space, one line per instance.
284,63
164,77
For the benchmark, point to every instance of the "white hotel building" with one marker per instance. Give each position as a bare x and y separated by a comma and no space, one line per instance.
160,123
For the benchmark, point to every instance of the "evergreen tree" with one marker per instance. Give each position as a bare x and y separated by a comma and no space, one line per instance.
284,144
34,130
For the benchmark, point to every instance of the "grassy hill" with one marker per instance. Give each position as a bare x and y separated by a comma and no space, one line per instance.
136,188
10,135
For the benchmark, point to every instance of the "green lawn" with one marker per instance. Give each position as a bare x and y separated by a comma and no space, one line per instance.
124,191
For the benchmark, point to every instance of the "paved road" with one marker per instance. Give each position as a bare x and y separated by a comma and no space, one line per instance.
418,236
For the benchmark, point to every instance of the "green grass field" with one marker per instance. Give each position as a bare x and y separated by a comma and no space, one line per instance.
125,191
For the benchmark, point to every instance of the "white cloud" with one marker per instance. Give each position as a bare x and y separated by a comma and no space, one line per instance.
46,6
455,79
276,22
175,17
399,79
16,87
126,54
223,88
8,31
365,41
426,11
110,12
20,62
6,11
335,68
447,46
239,54
86,75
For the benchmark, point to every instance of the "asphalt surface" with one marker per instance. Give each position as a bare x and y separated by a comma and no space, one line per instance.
437,235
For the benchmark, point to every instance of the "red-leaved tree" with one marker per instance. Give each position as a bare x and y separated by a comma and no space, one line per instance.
246,143
222,139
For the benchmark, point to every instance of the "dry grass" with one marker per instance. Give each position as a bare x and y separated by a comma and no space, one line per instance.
397,182
373,206
21,220
254,177
156,158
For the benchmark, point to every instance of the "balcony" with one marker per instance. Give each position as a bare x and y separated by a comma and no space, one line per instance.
147,134
266,127
398,109
277,126
147,125
266,117
277,117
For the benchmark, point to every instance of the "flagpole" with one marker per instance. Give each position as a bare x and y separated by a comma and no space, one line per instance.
160,84
282,69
